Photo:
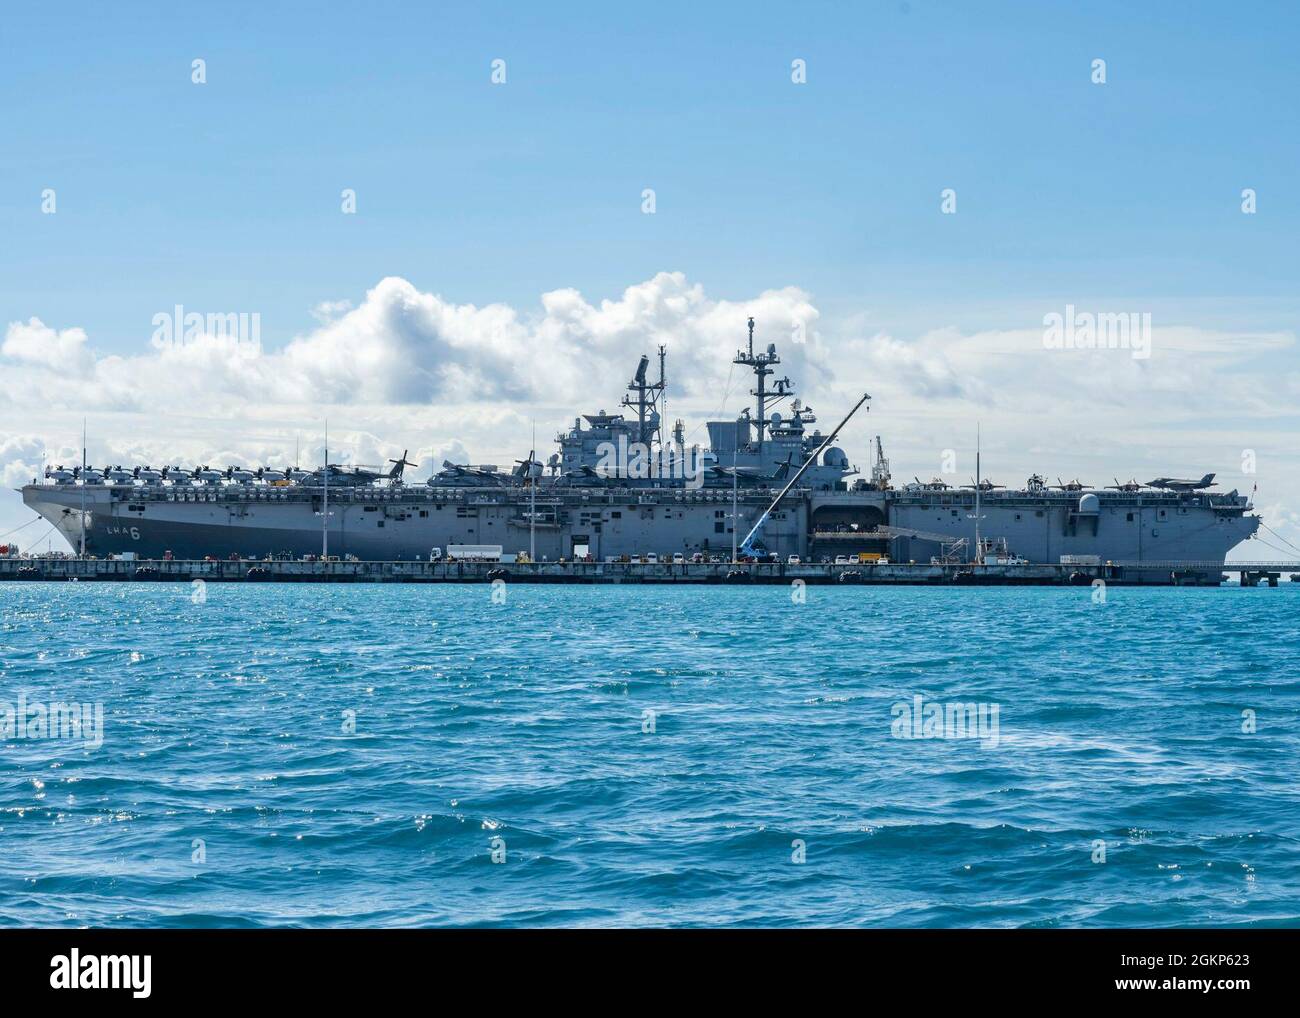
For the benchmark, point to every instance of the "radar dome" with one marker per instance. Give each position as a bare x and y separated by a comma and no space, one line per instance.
835,458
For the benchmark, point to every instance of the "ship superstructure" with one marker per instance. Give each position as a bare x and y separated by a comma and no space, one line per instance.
617,486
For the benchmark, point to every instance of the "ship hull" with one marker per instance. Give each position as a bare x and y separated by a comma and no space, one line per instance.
407,524
404,528
1047,530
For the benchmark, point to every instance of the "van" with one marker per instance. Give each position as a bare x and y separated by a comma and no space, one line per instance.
793,560
651,559
679,559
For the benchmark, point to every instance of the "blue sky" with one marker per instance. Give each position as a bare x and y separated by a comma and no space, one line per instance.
769,195
227,194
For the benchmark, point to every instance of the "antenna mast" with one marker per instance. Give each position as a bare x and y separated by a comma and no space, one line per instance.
663,379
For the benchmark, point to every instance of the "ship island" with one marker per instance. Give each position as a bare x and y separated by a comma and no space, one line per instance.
770,487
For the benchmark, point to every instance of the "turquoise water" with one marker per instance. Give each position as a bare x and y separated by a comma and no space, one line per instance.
230,790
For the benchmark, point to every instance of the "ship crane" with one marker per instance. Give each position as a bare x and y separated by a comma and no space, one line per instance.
747,545
880,468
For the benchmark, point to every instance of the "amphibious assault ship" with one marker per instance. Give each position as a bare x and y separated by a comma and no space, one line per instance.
617,486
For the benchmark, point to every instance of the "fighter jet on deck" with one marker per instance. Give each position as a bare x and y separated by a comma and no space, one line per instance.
1182,483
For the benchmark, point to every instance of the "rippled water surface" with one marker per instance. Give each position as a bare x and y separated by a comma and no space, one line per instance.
230,789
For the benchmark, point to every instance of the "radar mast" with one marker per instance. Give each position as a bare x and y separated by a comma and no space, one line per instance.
761,364
645,399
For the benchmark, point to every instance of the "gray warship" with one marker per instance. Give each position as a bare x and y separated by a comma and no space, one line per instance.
768,484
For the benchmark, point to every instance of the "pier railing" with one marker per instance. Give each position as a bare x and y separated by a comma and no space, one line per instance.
298,571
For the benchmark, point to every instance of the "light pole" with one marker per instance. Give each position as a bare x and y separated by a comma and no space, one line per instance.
979,550
83,487
325,503
532,502
735,515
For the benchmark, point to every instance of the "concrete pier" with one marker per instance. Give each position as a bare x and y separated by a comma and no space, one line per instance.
1254,577
295,571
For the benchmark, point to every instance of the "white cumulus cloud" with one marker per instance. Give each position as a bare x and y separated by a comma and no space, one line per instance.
405,367
35,344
